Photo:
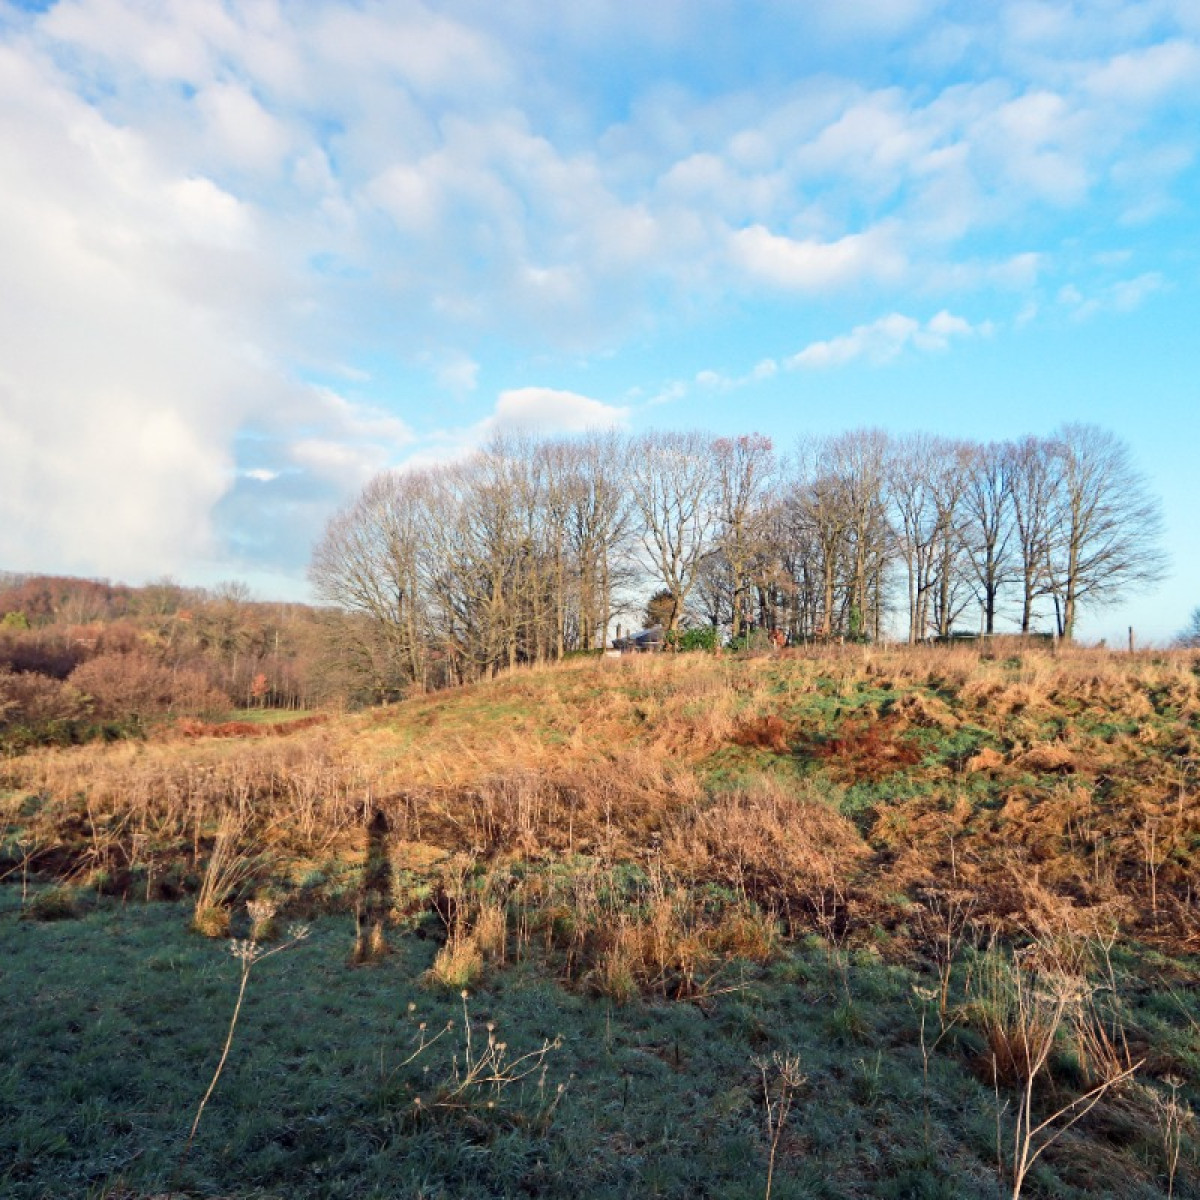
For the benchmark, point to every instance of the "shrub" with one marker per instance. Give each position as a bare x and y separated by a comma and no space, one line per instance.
458,964
54,904
703,638
229,867
134,685
211,921
33,700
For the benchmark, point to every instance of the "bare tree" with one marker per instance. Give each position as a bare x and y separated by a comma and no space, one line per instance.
745,468
1189,637
949,476
916,523
824,512
797,556
857,461
989,530
1033,498
674,487
927,484
367,564
515,554
599,523
1107,527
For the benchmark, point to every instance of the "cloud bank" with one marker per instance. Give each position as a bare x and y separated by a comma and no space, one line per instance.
255,252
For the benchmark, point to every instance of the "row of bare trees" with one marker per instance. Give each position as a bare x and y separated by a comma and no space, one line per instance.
529,549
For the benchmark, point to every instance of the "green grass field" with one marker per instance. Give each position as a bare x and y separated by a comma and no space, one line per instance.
116,1019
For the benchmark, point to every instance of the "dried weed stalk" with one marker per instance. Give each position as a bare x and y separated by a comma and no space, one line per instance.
782,1078
247,953
1029,999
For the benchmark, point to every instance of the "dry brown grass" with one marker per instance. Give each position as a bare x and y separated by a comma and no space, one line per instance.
1089,766
786,851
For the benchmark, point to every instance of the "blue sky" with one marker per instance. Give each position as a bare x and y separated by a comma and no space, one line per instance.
255,252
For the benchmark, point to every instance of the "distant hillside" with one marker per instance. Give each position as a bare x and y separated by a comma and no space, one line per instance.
83,656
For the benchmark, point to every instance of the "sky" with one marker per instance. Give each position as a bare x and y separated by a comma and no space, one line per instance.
253,253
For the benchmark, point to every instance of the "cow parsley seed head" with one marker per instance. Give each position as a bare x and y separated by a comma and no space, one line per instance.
245,951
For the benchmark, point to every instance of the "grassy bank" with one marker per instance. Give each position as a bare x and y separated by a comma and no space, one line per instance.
806,915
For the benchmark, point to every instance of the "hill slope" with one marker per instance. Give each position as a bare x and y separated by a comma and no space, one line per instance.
938,857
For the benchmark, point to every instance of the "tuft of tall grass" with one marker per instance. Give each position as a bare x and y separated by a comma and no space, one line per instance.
230,866
458,964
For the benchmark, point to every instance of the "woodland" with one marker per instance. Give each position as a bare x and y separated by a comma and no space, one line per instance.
527,550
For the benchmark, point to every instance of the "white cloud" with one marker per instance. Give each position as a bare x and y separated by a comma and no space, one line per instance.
1146,75
765,369
432,54
1122,295
242,132
140,325
811,265
1129,294
872,18
670,393
880,341
458,374
549,410
540,411
945,325
121,387
885,339
409,195
345,443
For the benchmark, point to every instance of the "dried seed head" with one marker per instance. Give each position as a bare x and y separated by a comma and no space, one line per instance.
261,911
244,951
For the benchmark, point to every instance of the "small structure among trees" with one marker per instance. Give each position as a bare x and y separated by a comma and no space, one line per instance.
648,641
